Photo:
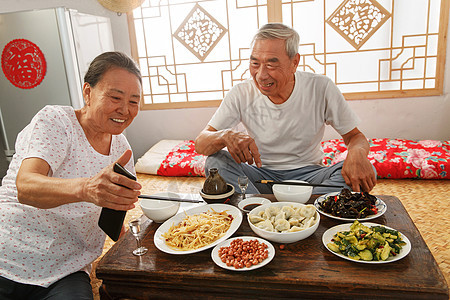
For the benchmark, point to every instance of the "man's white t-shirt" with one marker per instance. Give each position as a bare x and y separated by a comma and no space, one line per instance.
41,246
288,135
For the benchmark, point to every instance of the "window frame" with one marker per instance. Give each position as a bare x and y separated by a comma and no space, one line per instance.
274,14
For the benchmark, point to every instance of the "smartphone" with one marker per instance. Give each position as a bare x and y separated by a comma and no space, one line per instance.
111,221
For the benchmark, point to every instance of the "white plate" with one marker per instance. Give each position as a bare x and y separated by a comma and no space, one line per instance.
379,204
328,236
234,211
215,253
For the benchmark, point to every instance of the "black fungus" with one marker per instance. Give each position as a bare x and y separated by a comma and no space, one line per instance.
350,205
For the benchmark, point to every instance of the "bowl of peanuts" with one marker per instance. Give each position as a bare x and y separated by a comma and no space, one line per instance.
284,222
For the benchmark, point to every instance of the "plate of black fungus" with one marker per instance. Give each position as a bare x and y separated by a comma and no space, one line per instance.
350,206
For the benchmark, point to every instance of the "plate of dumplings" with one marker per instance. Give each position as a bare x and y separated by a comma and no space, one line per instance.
284,222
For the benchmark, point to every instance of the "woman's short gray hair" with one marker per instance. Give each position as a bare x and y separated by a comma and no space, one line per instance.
280,31
108,60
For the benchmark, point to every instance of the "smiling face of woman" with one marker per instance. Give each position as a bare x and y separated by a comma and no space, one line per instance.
113,103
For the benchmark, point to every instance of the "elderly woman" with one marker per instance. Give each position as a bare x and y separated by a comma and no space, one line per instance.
58,181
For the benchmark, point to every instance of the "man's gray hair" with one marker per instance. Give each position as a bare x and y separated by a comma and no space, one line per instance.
280,31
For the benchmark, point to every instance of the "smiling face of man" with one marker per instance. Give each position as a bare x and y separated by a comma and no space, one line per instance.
272,69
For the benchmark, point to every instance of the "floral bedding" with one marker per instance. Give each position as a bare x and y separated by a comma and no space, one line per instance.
183,160
392,158
399,158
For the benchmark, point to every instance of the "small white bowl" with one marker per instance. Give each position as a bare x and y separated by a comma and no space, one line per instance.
160,210
292,193
252,200
282,237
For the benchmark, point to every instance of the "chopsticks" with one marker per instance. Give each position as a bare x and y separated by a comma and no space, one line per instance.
169,199
297,183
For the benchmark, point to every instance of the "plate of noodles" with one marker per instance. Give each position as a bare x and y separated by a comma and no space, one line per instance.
198,228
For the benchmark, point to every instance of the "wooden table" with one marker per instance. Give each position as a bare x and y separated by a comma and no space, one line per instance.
305,269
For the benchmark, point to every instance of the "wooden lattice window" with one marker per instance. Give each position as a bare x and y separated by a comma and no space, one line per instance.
192,52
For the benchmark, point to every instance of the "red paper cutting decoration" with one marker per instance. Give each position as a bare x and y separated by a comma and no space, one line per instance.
23,63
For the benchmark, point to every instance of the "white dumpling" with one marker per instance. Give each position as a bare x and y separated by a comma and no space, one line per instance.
295,228
282,225
297,216
263,215
265,225
298,210
272,211
308,211
255,218
293,221
280,215
309,222
288,210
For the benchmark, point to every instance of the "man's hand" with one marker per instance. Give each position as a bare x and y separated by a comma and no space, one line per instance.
357,169
358,173
241,146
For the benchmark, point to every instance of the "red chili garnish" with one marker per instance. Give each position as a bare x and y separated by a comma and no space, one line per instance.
374,209
363,235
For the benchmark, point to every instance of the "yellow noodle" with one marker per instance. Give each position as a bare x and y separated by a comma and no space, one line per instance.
197,231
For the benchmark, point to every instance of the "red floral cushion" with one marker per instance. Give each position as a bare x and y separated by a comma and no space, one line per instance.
399,158
183,161
392,158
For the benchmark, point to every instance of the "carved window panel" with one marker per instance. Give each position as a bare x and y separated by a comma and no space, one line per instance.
192,52
373,48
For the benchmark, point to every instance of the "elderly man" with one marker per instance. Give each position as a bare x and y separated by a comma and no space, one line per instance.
284,112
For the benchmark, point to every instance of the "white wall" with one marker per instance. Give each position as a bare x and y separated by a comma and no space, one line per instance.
410,118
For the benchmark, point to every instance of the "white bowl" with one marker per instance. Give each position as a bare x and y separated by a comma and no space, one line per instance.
252,200
160,210
292,193
283,237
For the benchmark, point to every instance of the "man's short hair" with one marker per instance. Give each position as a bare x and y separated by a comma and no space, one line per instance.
280,31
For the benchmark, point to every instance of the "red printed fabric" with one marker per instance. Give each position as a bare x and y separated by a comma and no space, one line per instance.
183,161
399,158
392,158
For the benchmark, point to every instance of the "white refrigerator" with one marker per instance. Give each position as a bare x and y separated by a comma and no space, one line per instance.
44,56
